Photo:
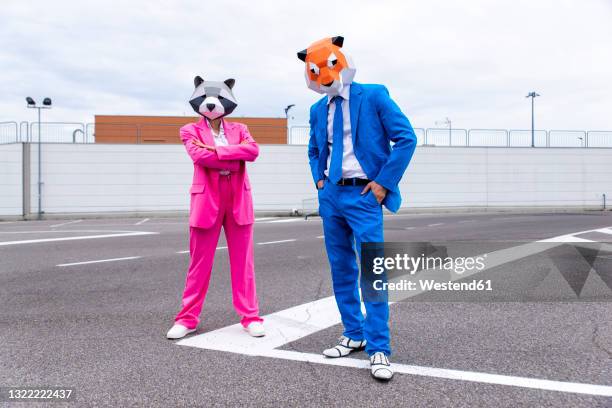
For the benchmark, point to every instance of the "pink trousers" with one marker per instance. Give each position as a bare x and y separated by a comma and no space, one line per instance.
202,247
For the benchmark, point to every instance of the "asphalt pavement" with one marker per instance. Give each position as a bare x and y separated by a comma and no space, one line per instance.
86,305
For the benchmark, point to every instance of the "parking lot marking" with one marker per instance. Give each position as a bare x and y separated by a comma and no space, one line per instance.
472,376
436,224
36,241
291,324
100,261
277,242
287,220
65,223
142,221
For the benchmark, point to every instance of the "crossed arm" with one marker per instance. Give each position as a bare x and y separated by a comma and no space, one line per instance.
220,157
246,150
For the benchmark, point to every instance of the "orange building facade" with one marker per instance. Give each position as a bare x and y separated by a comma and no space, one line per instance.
165,129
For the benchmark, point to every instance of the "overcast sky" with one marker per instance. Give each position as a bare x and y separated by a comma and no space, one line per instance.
473,61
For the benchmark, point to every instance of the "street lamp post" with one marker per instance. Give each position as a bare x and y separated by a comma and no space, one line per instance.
447,122
532,95
287,109
45,105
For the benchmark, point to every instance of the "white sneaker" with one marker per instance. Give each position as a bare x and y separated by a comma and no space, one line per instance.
256,329
178,331
344,347
380,368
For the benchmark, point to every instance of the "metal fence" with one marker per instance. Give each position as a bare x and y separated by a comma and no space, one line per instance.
77,132
491,137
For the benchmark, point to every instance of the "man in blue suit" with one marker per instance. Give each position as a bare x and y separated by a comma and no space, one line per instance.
356,172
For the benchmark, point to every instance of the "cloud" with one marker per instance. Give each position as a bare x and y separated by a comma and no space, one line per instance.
472,61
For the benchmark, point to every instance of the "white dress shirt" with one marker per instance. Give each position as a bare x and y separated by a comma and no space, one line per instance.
350,166
220,139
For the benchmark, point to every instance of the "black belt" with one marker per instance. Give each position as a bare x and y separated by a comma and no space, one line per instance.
353,182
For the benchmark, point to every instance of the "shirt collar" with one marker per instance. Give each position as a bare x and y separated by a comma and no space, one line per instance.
345,93
221,132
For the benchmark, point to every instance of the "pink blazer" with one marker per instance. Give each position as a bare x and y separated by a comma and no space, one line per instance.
206,165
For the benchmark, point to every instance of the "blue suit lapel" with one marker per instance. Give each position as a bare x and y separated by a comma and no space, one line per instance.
321,134
355,104
322,122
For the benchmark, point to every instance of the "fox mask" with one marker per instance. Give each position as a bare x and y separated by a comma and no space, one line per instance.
328,68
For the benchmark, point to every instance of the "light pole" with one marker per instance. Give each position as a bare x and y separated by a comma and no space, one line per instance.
447,122
532,95
45,105
287,109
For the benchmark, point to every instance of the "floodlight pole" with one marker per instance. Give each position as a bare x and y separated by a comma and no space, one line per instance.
532,95
287,109
447,122
45,105
39,168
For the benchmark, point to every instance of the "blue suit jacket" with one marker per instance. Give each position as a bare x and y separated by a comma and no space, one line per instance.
376,120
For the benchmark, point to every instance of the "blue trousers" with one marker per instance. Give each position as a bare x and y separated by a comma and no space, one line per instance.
349,219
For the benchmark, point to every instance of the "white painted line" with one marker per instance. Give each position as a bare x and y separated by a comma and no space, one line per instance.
264,219
100,261
282,327
276,242
321,237
566,238
464,221
142,221
409,228
36,241
436,224
65,223
299,321
57,231
294,323
524,382
287,220
605,230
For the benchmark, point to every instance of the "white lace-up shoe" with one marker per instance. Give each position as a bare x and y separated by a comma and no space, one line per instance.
256,329
178,331
380,366
344,347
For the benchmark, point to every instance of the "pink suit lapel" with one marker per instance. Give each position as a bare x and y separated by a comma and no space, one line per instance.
205,133
231,134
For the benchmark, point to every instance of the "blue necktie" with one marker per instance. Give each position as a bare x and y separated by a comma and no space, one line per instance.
335,167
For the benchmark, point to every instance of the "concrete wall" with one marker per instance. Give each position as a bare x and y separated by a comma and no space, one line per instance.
11,189
119,177
553,177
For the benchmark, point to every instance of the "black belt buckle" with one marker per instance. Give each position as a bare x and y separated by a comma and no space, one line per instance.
352,182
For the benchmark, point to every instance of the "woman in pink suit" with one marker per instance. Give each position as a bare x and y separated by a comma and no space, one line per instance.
220,197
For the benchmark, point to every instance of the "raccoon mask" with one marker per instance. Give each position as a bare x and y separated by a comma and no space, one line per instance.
213,99
328,69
